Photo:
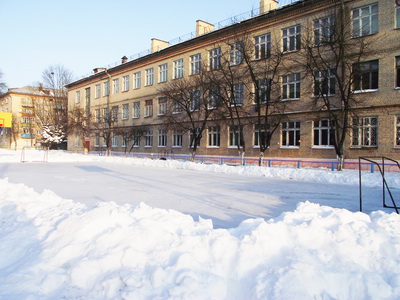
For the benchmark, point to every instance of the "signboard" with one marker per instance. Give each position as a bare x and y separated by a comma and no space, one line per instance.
5,119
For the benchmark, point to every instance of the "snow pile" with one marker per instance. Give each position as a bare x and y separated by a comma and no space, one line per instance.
52,248
307,174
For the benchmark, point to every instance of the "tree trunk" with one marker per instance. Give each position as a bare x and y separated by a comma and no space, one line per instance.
261,159
340,159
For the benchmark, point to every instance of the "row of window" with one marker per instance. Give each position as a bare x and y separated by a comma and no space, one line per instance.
364,21
364,134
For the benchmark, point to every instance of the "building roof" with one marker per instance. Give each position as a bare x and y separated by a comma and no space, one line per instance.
31,90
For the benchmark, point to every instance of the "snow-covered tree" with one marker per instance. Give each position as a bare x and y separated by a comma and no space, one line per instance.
53,136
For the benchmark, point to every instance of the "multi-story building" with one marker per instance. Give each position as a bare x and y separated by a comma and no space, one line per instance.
277,51
29,106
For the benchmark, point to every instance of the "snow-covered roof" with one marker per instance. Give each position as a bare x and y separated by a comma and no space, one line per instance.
31,90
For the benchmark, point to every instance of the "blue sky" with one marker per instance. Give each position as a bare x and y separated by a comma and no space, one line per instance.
85,34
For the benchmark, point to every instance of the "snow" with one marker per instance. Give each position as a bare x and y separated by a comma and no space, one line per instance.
72,247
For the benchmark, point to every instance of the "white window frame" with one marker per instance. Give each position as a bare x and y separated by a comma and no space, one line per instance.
234,136
324,29
365,132
290,134
114,113
215,58
97,91
148,108
214,136
364,19
257,131
178,68
114,141
162,106
397,22
137,79
195,64
291,38
214,98
149,76
126,81
162,137
236,53
323,134
97,115
238,94
106,88
369,69
291,85
148,138
325,79
136,110
262,46
163,73
97,140
125,111
177,139
195,100
115,85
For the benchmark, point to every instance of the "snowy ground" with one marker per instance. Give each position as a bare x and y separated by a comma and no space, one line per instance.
150,229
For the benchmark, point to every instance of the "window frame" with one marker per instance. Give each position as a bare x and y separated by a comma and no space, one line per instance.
97,89
115,85
149,76
234,136
324,132
195,64
327,81
262,46
324,29
358,20
236,53
125,111
162,137
126,83
365,131
177,139
178,68
214,136
137,79
289,140
237,99
148,138
136,110
397,18
214,56
148,108
162,106
291,41
163,73
397,59
364,74
289,81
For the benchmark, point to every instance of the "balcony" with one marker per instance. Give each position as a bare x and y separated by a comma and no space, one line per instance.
28,135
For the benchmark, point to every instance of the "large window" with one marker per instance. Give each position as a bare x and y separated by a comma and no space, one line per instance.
116,86
162,137
178,68
97,140
398,16
163,70
291,38
97,93
195,97
97,115
324,133
261,133
235,136
114,113
237,53
291,134
214,98
214,136
324,30
106,114
192,137
137,135
264,89
114,140
177,139
195,64
365,20
366,75
149,76
291,86
106,88
262,46
398,71
365,132
162,106
125,86
215,58
324,82
125,111
148,108
148,138
136,80
78,97
238,94
136,110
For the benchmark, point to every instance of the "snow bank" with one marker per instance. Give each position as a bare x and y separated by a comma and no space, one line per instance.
347,177
52,248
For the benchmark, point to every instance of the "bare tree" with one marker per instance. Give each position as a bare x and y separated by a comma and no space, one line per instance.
331,56
3,85
188,106
79,124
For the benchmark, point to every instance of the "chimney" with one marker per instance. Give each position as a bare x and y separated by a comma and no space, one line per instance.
124,59
40,87
97,70
203,27
268,5
157,45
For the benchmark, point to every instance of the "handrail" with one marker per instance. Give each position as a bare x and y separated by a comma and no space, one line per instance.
384,182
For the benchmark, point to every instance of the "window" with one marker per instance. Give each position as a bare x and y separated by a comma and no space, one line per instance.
365,20
114,140
149,76
125,137
97,140
214,136
236,53
195,64
97,115
116,86
148,138
397,131
177,107
291,134
291,86
178,68
366,75
264,89
106,114
195,100
215,58
365,132
104,142
162,106
98,91
214,98
78,97
114,113
163,70
125,111
324,133
87,101
162,137
125,87
324,30
262,46
235,136
177,139
398,71
197,132
398,16
261,133
148,108
238,94
106,88
324,82
137,134
136,80
291,38
136,110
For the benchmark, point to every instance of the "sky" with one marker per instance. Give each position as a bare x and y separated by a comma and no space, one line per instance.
83,35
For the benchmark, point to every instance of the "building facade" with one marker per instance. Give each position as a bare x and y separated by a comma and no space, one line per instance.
275,59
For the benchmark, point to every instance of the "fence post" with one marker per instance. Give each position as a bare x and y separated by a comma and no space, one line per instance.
372,168
298,164
269,163
333,166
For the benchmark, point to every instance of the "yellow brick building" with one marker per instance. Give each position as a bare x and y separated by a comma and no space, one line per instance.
133,92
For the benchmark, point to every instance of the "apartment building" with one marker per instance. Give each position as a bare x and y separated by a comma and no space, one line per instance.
30,106
131,106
